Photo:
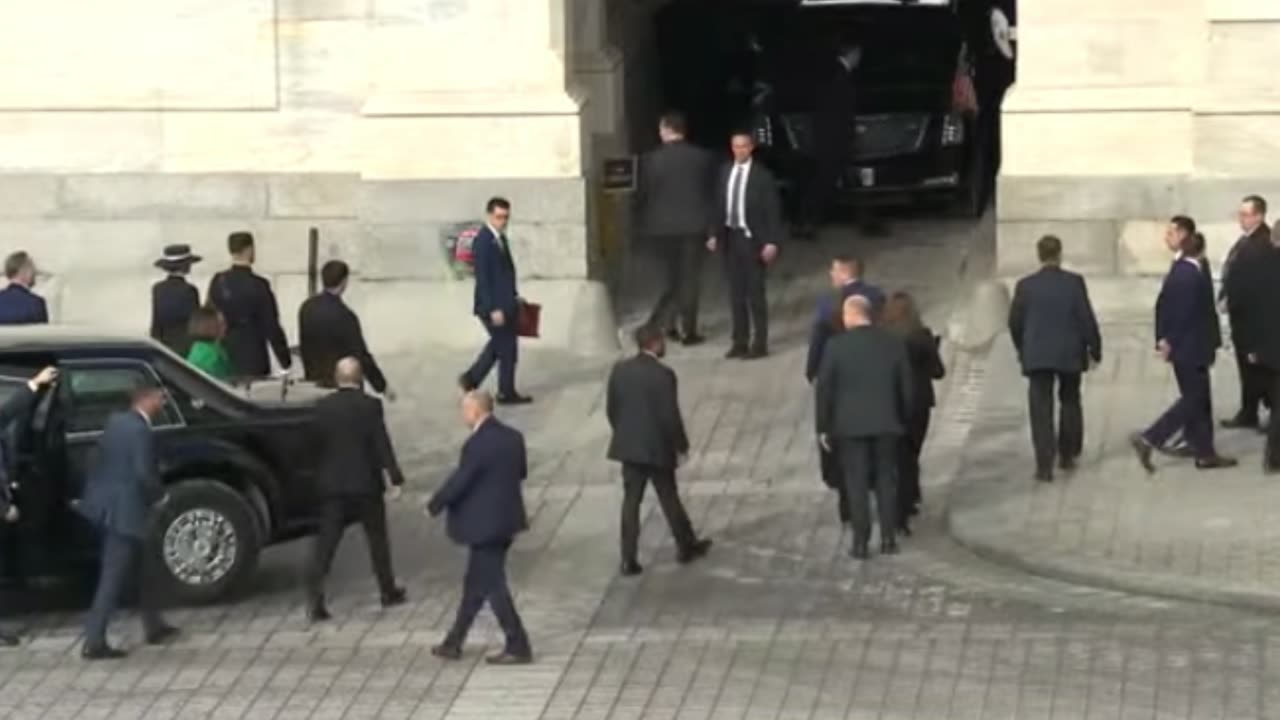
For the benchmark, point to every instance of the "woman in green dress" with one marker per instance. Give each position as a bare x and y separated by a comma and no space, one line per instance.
206,330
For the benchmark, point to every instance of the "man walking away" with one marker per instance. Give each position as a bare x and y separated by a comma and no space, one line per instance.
676,211
750,230
18,305
1258,270
355,455
846,279
328,330
862,397
486,512
1186,338
249,306
11,411
173,299
120,493
1055,333
1237,276
643,406
497,305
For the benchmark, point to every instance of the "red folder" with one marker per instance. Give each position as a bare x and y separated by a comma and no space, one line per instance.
530,319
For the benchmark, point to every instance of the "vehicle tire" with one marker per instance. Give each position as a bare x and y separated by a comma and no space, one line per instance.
206,542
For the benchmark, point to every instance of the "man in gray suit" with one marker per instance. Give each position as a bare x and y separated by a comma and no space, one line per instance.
675,203
120,492
861,396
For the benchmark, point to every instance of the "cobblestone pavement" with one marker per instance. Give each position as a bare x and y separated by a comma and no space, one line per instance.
776,623
1181,532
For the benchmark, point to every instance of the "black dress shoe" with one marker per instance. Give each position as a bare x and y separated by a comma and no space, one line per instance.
1215,462
736,352
509,658
397,596
904,527
630,568
673,334
1044,476
162,635
447,652
1240,421
1066,464
318,614
102,652
464,382
514,399
698,549
756,353
889,547
691,340
860,550
1142,449
8,639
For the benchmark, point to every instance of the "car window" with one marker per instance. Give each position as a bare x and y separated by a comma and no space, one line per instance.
94,393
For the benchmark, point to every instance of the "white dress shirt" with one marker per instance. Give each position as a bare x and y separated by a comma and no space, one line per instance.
741,200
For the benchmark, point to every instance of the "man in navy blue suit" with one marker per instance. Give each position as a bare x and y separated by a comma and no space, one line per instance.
18,305
119,495
1187,338
846,279
497,304
486,512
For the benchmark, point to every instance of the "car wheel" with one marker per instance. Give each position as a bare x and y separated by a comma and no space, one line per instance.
206,542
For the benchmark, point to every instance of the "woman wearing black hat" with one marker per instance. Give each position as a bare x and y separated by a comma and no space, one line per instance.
173,299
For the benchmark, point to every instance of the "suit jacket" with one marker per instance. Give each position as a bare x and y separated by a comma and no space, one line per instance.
762,204
864,386
328,331
495,277
20,306
1259,271
1246,279
826,322
483,496
1185,315
173,300
1258,239
643,406
246,301
353,446
124,482
11,411
1052,323
675,194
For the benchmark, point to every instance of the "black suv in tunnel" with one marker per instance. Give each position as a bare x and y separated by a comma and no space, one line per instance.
237,469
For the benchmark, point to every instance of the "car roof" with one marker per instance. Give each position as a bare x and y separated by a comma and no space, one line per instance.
63,337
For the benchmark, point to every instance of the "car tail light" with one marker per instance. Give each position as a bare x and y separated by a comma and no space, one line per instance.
953,129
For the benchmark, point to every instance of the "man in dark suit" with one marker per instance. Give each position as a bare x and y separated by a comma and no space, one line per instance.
1239,280
14,409
846,280
173,299
328,331
750,231
497,305
1186,337
486,512
675,203
643,407
1258,290
862,396
119,494
833,134
355,454
1055,333
249,307
18,305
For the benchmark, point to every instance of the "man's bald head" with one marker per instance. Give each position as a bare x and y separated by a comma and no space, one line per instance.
348,373
856,311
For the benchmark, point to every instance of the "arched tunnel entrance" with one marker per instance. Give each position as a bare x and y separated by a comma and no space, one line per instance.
915,135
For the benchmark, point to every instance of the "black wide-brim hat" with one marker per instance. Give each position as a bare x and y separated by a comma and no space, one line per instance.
177,257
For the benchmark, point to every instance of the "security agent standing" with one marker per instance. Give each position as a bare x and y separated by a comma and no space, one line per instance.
18,304
328,330
643,406
833,136
119,495
249,306
862,397
350,435
1240,278
676,209
486,511
14,408
173,299
749,232
1055,334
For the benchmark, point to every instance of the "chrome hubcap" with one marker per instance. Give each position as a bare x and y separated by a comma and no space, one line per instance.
200,547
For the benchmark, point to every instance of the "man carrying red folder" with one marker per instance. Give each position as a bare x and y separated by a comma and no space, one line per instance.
497,305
